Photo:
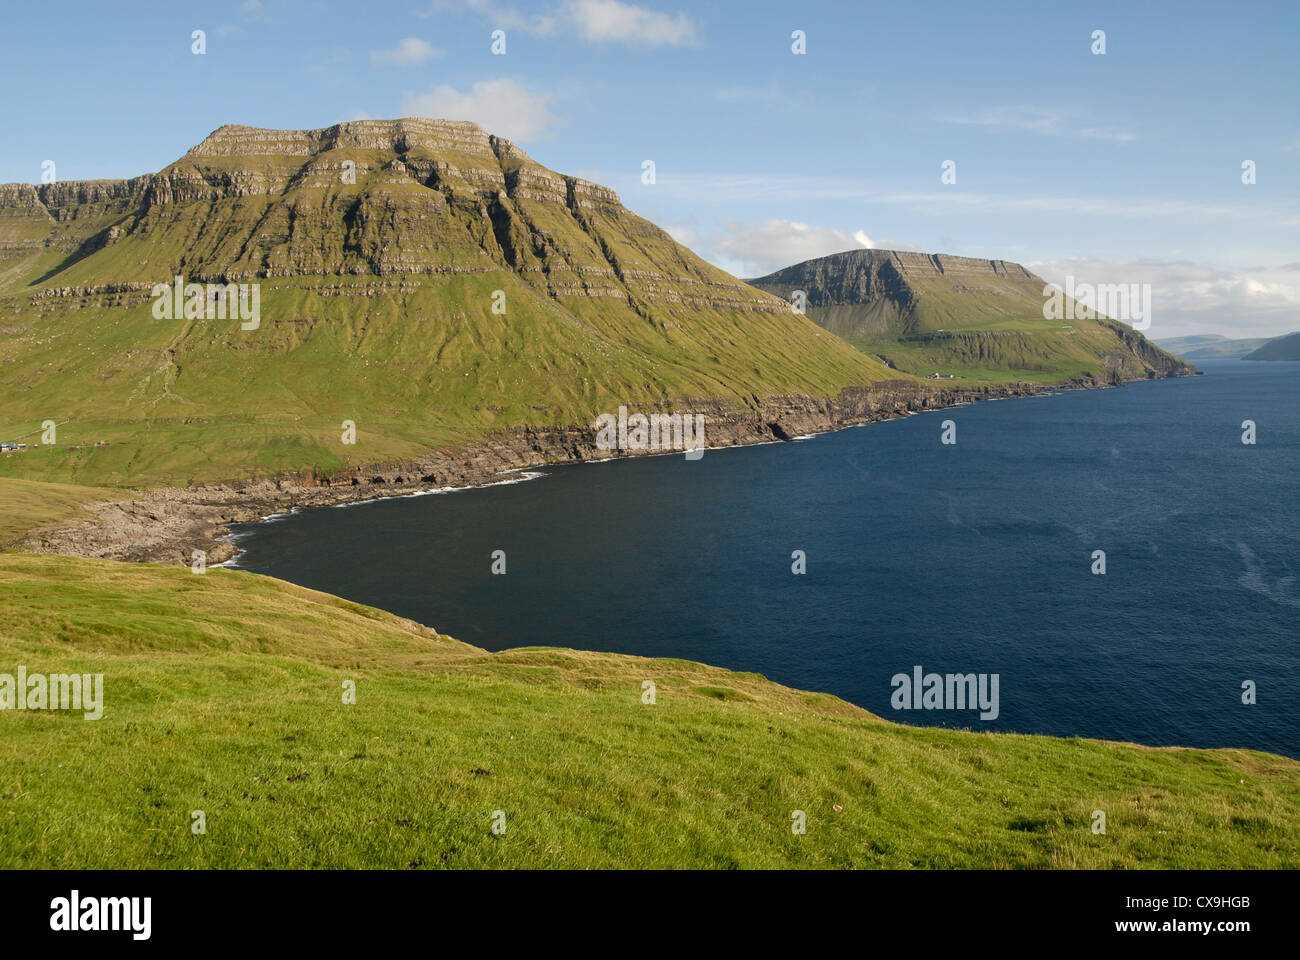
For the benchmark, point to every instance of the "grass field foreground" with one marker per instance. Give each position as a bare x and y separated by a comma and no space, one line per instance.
224,693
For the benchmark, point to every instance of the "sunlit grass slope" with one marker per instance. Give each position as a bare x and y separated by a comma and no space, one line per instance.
224,693
26,505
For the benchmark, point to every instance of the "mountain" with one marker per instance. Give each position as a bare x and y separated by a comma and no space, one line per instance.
978,320
1210,346
421,278
1280,348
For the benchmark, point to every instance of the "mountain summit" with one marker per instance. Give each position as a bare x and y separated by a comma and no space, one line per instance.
368,197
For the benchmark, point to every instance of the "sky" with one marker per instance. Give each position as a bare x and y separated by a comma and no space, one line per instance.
1117,167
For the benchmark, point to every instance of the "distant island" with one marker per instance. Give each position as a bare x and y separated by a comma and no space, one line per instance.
1214,346
1281,348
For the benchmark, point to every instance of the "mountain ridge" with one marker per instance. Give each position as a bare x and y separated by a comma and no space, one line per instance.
1210,346
962,317
456,161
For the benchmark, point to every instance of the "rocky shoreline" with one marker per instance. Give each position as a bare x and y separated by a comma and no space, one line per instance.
167,524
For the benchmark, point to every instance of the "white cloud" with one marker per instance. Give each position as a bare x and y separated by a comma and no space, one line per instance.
503,107
612,20
504,18
1193,298
253,10
409,52
686,236
598,21
756,249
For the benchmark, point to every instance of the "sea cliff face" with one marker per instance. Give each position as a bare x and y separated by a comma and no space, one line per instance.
167,525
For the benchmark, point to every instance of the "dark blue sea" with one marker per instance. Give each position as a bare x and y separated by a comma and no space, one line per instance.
974,557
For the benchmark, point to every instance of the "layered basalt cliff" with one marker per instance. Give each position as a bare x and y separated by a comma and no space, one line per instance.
375,198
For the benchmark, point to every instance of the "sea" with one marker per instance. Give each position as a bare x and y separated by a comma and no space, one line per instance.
1122,561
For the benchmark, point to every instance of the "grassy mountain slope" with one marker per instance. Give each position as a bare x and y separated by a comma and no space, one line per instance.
223,694
980,320
377,306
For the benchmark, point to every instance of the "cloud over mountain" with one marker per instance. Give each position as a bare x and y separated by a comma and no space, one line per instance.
1190,298
409,52
504,106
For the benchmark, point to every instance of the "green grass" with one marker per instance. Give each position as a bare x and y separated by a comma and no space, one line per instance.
27,505
223,694
181,403
1011,352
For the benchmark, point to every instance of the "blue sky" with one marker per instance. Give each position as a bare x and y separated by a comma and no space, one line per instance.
1122,167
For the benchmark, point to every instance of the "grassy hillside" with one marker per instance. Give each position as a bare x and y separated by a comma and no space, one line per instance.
378,283
26,505
223,694
980,321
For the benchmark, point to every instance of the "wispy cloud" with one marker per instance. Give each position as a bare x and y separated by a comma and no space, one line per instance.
250,11
498,16
737,188
753,249
611,20
759,248
504,107
597,21
409,52
331,65
769,94
1049,121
